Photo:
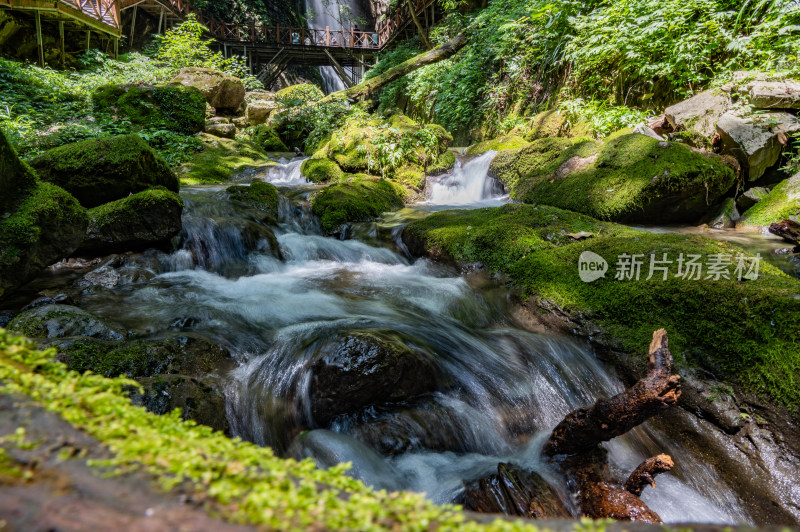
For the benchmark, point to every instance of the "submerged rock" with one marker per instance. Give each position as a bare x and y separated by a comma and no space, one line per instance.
222,91
362,368
629,177
145,219
172,107
61,321
101,170
514,491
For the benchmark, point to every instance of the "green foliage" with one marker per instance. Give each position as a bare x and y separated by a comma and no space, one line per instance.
600,117
242,481
747,336
266,137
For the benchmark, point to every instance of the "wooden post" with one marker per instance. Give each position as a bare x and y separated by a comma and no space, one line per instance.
61,39
161,20
116,48
327,36
88,39
39,44
225,50
133,26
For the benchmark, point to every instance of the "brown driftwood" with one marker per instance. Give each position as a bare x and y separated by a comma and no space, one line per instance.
645,474
598,496
789,230
370,86
585,428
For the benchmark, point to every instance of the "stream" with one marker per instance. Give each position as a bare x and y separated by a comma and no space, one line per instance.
503,388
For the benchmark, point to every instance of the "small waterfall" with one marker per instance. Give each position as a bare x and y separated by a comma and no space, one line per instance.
468,183
286,173
328,14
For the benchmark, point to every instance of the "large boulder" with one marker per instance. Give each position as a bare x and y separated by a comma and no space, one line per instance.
366,368
783,94
101,170
358,200
629,177
222,91
62,321
756,141
783,202
144,219
699,113
172,107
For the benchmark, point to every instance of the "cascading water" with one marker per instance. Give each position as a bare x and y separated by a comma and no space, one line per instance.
467,183
501,389
328,14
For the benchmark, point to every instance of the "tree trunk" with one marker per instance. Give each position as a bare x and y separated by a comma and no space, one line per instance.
789,230
421,30
370,86
585,428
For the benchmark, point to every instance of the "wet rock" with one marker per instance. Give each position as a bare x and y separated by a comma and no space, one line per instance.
200,399
172,107
699,113
259,195
783,94
226,131
756,141
750,197
58,299
514,491
725,216
105,276
60,321
221,90
362,369
148,218
184,323
101,170
185,354
328,448
5,317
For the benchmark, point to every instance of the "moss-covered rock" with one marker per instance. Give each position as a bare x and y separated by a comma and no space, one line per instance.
45,226
16,177
173,107
748,335
358,200
267,139
444,163
630,177
411,176
304,92
221,159
509,142
321,170
222,91
547,124
783,202
101,170
61,321
141,220
259,195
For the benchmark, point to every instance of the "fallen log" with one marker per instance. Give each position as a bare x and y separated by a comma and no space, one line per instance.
585,428
372,85
645,474
789,230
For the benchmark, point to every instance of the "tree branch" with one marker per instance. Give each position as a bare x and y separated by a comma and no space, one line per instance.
646,473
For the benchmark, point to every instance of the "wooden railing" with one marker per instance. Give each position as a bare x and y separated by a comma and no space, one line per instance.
105,11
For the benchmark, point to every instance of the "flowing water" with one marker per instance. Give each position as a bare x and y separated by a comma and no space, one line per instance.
273,302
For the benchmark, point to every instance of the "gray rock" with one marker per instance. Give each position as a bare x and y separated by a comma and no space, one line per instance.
644,129
259,96
222,91
218,120
61,321
725,216
754,141
259,112
775,94
699,113
750,198
226,131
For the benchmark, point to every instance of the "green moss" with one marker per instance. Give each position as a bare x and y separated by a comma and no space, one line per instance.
629,177
221,159
546,124
358,200
304,92
120,211
267,139
101,170
509,142
172,106
691,138
411,175
321,170
745,331
261,195
16,177
783,202
444,163
247,483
